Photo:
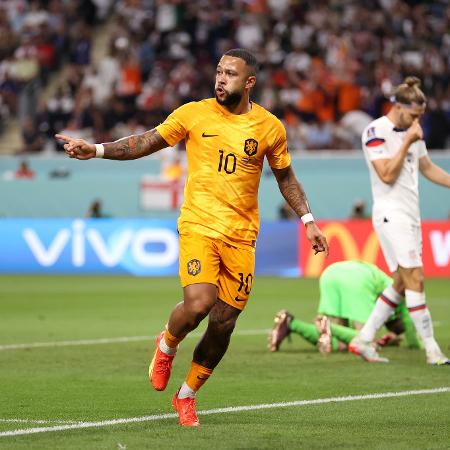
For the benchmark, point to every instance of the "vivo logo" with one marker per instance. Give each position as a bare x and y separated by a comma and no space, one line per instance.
109,253
440,246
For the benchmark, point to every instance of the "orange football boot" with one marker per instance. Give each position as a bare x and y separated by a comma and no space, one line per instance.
185,407
160,367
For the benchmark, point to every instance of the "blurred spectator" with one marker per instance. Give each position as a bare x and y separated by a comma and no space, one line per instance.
80,51
100,88
24,171
95,210
4,113
174,170
322,72
129,84
36,36
9,87
351,127
26,72
46,52
359,210
59,172
319,135
436,125
285,212
33,141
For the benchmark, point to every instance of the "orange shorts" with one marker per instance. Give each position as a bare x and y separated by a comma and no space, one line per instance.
207,260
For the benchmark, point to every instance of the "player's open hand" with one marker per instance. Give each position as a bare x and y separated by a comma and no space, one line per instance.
318,240
77,148
414,132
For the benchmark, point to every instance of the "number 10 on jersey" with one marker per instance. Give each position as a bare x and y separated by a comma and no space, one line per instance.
227,162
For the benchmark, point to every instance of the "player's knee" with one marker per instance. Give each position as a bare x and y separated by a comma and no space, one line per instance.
416,280
413,279
398,285
198,308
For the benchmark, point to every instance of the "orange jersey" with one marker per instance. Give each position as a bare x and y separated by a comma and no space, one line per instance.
225,154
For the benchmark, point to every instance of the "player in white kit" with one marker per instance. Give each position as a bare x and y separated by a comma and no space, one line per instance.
395,152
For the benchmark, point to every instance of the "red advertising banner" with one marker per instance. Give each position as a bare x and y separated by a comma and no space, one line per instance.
356,239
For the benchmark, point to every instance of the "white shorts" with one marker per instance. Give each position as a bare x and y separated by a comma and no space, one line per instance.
401,242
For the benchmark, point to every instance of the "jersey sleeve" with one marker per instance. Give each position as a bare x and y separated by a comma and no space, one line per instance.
177,124
278,155
374,143
422,149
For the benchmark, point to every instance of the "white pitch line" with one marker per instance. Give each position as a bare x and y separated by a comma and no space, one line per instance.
38,422
231,409
121,339
115,340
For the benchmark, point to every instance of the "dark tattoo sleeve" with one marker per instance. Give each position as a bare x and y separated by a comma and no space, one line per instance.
292,190
135,146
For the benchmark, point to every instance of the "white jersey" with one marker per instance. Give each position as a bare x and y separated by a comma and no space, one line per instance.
382,140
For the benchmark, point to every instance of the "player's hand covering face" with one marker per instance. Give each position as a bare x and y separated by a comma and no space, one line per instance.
414,132
410,115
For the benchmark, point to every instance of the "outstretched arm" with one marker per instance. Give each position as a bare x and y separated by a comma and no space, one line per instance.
433,172
293,192
130,147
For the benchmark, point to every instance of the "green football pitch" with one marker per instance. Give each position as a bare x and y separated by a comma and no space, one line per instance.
74,353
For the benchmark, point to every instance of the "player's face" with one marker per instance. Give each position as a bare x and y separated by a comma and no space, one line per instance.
410,113
232,78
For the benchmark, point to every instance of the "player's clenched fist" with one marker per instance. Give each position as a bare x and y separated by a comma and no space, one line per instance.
77,148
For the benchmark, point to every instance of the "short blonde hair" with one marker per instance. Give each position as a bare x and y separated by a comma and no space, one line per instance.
409,92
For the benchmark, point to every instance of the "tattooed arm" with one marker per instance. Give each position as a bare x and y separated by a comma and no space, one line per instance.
130,147
293,192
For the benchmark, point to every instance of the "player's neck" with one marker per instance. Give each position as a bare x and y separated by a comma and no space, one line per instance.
243,107
240,109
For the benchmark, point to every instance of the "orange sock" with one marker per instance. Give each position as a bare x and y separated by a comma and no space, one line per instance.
171,340
197,376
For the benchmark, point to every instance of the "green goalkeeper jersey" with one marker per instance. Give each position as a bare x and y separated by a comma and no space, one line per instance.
349,289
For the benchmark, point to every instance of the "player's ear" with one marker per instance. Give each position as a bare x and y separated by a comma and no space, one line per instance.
251,81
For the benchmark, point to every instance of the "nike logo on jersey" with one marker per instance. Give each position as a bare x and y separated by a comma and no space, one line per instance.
239,299
208,135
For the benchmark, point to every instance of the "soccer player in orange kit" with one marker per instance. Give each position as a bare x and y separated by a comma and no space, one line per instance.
227,138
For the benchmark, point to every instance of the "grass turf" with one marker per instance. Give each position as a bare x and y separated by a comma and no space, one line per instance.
108,381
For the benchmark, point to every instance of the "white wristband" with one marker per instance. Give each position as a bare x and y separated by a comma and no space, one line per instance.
99,150
307,218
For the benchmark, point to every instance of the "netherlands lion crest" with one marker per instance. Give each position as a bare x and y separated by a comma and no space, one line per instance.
250,147
194,267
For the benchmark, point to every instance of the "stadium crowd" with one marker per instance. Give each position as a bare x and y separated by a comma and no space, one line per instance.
327,67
